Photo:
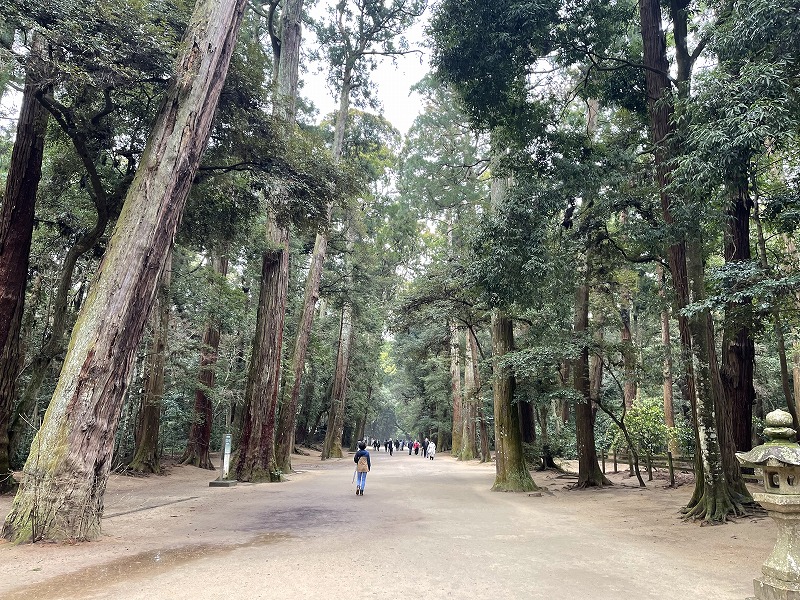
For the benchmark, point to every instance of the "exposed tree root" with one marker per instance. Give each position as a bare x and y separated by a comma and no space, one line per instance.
718,508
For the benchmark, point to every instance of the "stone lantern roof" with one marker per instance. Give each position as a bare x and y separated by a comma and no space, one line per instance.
781,449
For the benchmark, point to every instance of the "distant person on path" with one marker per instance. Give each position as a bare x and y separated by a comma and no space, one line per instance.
376,445
363,466
425,443
431,449
416,447
391,447
410,447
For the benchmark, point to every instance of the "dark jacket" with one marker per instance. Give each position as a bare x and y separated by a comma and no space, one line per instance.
361,453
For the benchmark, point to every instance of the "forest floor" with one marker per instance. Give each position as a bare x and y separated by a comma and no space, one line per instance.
430,529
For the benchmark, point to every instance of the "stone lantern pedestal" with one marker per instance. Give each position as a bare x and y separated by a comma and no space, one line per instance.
780,460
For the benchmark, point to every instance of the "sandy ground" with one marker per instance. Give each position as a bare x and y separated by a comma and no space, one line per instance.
429,528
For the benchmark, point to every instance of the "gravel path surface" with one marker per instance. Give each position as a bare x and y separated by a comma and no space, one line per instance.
423,528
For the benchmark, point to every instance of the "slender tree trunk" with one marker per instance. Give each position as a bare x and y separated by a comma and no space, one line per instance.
589,473
666,369
628,353
198,448
256,457
61,496
288,414
469,448
146,457
512,473
455,388
563,407
16,233
333,436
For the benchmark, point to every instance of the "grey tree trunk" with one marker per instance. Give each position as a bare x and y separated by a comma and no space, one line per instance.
61,496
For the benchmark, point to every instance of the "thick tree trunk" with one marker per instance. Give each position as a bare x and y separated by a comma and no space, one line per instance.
16,233
738,347
198,447
455,388
589,473
256,453
712,500
512,473
61,496
266,462
146,457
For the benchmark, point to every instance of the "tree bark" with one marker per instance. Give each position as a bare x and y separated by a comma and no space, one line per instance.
61,496
256,454
512,473
469,448
738,354
628,352
666,369
457,398
16,233
288,416
713,499
198,448
589,473
146,457
332,447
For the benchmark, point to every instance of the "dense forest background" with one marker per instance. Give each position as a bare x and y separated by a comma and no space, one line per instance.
586,241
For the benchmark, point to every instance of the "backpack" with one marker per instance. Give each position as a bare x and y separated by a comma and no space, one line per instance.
362,467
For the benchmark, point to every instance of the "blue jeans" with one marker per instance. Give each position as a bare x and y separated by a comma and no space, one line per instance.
361,479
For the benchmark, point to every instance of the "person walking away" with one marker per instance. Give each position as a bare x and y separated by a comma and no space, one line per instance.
363,466
410,447
391,447
416,446
431,449
425,443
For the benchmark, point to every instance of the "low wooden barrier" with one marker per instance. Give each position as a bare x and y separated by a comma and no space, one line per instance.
665,461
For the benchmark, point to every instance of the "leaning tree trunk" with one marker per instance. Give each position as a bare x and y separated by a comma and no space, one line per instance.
146,457
589,473
16,233
198,447
455,388
256,456
512,473
61,496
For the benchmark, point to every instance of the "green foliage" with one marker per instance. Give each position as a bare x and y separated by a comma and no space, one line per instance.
645,424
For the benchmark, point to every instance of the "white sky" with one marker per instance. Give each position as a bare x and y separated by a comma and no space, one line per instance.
392,82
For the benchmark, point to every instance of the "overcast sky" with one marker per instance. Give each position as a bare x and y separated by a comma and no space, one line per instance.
392,82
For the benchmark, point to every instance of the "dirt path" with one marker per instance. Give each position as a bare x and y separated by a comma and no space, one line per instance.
422,527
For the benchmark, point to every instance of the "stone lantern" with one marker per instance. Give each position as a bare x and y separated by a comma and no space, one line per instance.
780,460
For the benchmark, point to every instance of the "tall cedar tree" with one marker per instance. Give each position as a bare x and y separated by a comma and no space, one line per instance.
61,495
